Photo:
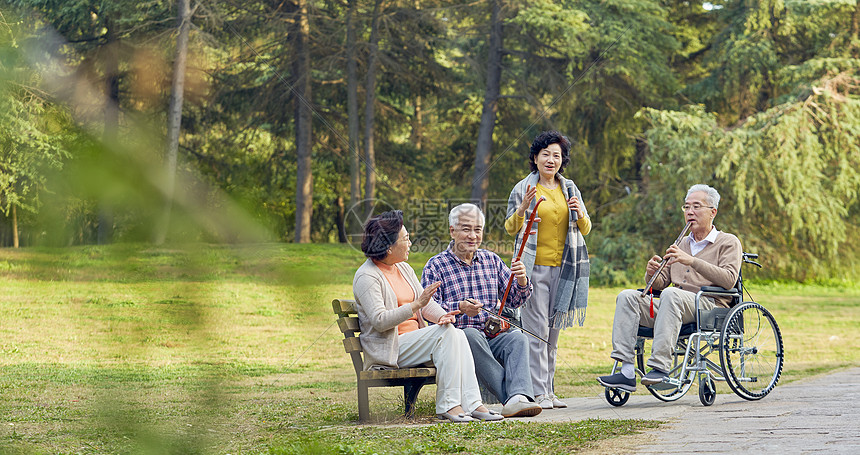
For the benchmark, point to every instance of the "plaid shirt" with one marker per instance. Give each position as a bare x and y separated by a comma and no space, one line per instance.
484,280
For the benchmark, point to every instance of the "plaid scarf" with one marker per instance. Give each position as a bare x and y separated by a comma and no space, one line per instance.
572,294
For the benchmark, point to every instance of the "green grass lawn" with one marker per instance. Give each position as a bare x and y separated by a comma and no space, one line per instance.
233,349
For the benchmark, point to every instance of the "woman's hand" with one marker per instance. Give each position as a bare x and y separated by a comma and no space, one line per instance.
573,204
448,318
531,192
425,296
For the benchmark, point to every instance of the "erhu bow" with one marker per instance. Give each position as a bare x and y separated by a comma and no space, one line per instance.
494,325
648,290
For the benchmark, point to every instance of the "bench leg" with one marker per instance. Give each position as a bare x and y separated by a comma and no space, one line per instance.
363,403
410,395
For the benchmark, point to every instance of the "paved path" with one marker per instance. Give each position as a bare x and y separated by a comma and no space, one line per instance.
816,415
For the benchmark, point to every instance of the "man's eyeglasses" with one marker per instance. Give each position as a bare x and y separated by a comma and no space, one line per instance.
468,230
695,207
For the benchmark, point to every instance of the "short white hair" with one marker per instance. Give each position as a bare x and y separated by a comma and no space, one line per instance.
712,196
456,212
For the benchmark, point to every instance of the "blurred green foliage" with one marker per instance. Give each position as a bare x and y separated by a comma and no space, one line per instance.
758,98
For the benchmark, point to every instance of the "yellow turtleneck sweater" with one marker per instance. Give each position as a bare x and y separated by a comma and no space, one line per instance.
554,217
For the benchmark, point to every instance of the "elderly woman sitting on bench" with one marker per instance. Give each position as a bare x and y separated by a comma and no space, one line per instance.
392,308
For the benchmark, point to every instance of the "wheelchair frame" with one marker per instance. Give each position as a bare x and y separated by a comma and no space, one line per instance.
746,336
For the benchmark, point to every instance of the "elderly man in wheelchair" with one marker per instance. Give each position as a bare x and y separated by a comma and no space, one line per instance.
697,285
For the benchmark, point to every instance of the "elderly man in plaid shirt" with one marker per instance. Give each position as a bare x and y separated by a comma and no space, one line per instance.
473,278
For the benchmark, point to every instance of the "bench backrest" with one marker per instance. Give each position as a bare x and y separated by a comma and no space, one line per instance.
347,320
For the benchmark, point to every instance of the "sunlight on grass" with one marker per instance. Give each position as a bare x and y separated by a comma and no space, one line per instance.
207,348
506,437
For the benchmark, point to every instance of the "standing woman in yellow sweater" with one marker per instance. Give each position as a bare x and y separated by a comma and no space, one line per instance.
556,259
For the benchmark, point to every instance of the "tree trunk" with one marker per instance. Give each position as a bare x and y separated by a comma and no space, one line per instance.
352,107
855,22
417,133
340,220
110,134
370,97
174,116
303,117
14,227
484,145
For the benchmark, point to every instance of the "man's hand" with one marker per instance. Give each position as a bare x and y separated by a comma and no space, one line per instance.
519,271
470,307
675,254
653,265
448,318
527,200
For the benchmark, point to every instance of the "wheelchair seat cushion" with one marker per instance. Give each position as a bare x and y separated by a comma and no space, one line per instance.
648,332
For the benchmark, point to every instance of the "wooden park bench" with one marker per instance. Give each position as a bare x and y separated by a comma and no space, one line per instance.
411,379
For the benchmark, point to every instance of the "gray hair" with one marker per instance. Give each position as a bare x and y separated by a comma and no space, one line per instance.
456,212
712,196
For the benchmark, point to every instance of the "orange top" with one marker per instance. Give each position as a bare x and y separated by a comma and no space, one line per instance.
404,292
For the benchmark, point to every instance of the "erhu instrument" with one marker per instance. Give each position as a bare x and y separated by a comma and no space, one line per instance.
494,324
500,318
663,263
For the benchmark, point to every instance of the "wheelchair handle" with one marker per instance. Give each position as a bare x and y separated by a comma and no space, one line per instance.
748,258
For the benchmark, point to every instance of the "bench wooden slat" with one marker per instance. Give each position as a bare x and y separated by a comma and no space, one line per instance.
348,325
351,344
343,307
411,379
424,372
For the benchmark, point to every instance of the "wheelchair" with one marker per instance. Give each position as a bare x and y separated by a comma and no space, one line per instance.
746,336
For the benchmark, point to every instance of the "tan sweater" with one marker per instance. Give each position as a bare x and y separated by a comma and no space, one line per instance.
379,315
718,264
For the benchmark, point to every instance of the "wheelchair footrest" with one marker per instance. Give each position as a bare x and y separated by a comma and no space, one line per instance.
663,386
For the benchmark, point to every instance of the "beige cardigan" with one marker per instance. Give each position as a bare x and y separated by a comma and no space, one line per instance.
378,313
718,264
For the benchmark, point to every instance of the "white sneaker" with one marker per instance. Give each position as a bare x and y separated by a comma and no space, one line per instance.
556,403
521,408
544,401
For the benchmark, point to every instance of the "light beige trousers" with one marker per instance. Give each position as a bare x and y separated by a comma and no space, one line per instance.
447,347
674,308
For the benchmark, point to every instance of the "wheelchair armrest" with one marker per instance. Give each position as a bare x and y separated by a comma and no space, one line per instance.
717,290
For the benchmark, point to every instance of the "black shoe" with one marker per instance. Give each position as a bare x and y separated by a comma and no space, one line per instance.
654,376
618,381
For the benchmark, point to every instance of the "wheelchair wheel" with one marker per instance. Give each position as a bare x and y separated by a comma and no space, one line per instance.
751,351
667,392
616,397
707,390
